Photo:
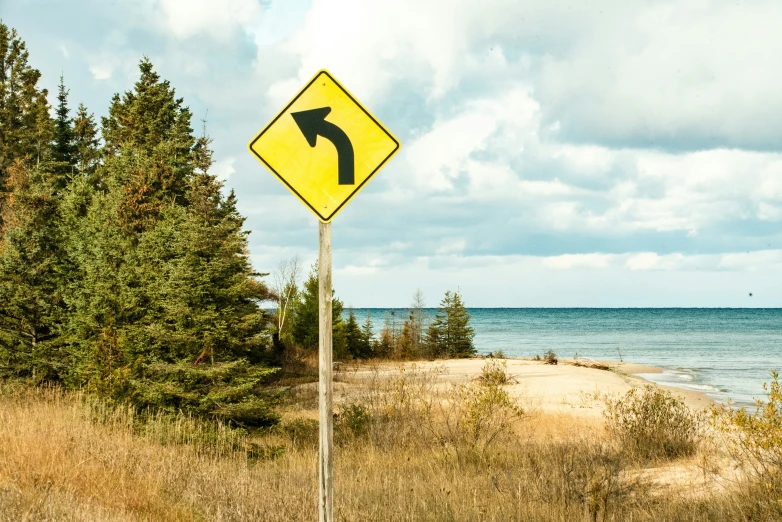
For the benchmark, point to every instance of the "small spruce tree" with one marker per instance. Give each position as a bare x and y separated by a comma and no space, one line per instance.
86,144
450,334
63,149
384,347
353,337
460,333
368,343
304,330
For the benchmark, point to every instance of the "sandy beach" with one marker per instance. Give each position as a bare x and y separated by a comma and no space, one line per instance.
564,388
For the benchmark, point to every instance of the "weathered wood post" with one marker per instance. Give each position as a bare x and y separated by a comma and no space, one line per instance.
325,386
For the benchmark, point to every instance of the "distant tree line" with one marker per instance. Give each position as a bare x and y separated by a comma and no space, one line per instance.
447,335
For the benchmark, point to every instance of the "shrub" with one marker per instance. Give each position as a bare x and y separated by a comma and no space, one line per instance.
410,410
354,418
651,423
300,432
499,354
550,357
755,440
257,451
495,373
472,420
389,411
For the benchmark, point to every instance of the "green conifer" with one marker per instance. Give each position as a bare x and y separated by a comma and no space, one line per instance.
450,334
460,333
367,338
150,121
353,337
164,310
86,143
26,130
31,276
304,330
63,149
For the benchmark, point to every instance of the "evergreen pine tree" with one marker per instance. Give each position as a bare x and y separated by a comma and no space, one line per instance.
151,121
164,306
304,329
436,340
405,348
26,128
460,333
63,149
86,144
106,296
30,253
203,313
385,344
31,276
368,343
43,132
353,338
450,334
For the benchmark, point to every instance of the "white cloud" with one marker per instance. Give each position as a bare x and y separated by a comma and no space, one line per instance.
679,71
114,63
491,146
595,279
224,168
757,261
588,159
676,261
350,270
451,247
101,70
768,212
370,45
570,261
497,126
186,18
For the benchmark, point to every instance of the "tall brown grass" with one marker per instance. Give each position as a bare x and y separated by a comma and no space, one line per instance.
407,447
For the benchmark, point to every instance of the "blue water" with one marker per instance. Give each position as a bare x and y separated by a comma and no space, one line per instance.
724,352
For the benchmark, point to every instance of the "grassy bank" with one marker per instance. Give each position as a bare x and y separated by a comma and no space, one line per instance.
408,447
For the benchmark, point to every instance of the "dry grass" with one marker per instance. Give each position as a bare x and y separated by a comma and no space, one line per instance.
64,457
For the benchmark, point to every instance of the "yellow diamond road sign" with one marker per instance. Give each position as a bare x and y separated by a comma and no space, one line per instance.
324,146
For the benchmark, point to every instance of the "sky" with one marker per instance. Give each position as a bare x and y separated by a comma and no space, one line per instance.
554,153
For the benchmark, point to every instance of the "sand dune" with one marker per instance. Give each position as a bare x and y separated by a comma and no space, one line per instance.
562,388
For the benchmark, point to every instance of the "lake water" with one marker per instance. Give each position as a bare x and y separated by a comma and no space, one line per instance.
724,352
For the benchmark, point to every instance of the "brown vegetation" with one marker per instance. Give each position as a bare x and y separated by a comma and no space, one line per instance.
591,364
409,446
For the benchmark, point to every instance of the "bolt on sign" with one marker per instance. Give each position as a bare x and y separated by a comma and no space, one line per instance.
324,146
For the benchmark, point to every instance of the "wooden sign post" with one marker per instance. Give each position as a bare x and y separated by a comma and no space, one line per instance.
324,174
325,379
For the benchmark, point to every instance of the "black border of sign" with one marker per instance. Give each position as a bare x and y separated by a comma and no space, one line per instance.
283,111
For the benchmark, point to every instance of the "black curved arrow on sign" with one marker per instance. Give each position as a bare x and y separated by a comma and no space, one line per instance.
312,124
